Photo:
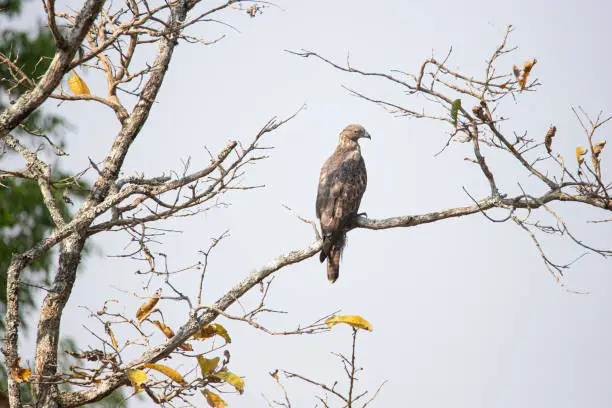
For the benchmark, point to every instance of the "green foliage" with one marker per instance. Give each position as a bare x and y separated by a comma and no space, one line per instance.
10,7
33,55
24,221
455,110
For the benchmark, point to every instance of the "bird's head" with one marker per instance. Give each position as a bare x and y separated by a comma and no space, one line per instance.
354,132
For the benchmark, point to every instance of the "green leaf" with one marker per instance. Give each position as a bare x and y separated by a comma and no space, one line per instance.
32,52
207,365
455,110
25,221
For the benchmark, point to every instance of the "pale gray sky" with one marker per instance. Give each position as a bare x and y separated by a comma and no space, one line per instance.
464,312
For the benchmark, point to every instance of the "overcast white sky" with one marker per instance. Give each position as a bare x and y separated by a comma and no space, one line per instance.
464,312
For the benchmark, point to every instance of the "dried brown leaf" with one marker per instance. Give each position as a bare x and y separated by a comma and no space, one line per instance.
165,329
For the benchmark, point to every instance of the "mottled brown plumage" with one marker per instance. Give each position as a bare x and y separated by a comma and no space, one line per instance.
342,183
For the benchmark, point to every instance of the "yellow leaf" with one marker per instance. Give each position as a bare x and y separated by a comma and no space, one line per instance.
147,307
167,371
213,399
111,335
232,379
18,373
77,85
579,153
357,322
211,330
137,378
207,365
165,329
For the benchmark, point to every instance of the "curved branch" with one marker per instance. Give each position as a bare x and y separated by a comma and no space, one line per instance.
99,391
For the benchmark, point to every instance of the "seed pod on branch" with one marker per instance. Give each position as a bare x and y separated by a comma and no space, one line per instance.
548,139
527,67
597,148
479,112
485,110
517,72
522,78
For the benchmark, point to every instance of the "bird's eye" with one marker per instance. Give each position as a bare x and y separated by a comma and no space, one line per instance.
355,131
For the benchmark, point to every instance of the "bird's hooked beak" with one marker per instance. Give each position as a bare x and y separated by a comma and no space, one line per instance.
366,135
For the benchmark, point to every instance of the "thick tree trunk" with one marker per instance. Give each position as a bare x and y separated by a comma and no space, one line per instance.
50,317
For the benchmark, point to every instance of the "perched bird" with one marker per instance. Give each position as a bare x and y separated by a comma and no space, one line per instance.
342,183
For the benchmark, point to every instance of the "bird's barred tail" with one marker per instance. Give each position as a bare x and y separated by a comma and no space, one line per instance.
333,258
333,263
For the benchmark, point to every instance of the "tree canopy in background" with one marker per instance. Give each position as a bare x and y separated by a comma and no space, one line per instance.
24,220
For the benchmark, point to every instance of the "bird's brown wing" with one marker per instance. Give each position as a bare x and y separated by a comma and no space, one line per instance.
351,184
342,183
330,187
347,190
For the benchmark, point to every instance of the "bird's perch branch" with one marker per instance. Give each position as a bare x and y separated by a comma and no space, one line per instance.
195,321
